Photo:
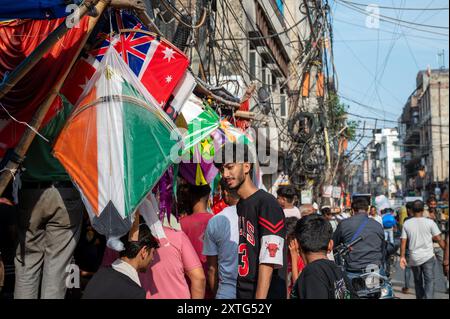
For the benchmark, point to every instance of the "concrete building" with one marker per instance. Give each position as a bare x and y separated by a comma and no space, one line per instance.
425,133
380,170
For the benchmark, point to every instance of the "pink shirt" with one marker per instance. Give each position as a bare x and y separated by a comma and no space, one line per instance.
194,226
165,278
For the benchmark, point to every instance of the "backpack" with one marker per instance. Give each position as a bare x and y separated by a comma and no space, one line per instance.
388,221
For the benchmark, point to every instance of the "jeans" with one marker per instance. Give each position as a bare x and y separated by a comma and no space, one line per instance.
389,235
407,276
424,279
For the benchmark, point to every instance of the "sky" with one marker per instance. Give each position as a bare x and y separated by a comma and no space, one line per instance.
377,66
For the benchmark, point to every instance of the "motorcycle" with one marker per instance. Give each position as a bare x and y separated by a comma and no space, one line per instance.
367,285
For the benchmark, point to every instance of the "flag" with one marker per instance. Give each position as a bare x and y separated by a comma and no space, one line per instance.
134,48
198,122
116,145
17,40
158,64
180,95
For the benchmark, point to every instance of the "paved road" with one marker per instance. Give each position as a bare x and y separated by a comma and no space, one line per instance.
398,282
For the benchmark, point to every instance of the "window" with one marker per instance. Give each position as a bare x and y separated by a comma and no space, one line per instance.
283,111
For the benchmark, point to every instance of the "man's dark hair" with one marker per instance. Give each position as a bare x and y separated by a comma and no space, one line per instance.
291,223
198,192
409,205
287,191
359,204
146,239
313,233
325,210
418,206
431,199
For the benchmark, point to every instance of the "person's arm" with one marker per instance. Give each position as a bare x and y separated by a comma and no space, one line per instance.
193,268
436,233
403,262
272,249
445,263
293,249
198,283
404,237
213,278
264,279
439,240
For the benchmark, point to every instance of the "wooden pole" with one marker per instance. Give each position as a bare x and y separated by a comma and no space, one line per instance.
38,117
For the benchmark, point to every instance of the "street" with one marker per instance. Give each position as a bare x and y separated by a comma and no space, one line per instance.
398,282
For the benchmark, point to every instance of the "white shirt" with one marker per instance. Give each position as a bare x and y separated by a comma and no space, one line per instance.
420,232
377,218
126,269
292,212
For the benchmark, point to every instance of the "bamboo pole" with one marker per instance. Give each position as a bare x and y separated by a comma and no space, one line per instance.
38,117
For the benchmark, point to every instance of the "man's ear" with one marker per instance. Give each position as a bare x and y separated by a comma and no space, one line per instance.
247,167
330,246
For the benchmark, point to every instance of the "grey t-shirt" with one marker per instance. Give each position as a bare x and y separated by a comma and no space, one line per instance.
367,252
221,240
420,232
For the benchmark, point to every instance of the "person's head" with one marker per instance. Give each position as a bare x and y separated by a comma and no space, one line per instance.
326,213
409,210
313,234
417,207
432,203
360,204
235,163
139,253
199,197
373,211
290,223
230,196
306,209
285,196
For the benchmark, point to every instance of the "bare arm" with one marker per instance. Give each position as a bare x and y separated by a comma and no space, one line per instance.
440,241
213,278
403,262
264,278
198,283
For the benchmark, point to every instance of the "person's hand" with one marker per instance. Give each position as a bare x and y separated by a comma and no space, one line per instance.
293,248
403,263
445,267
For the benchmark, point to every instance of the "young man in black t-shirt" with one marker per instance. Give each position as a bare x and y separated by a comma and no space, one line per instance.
321,278
262,250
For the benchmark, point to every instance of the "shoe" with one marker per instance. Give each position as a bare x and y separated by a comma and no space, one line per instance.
405,290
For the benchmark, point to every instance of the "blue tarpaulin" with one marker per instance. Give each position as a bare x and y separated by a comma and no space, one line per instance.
34,9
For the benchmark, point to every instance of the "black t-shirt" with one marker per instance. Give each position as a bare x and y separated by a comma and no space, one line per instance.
322,279
262,236
108,283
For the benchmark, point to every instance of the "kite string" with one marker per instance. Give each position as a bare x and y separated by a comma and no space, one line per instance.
24,123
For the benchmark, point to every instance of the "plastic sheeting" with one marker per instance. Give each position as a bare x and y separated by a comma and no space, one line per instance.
116,146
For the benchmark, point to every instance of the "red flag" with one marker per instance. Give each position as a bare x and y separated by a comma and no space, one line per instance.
163,68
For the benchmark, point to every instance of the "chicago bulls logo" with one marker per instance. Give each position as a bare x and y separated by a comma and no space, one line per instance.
272,248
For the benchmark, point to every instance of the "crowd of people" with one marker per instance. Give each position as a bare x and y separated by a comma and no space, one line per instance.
257,246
